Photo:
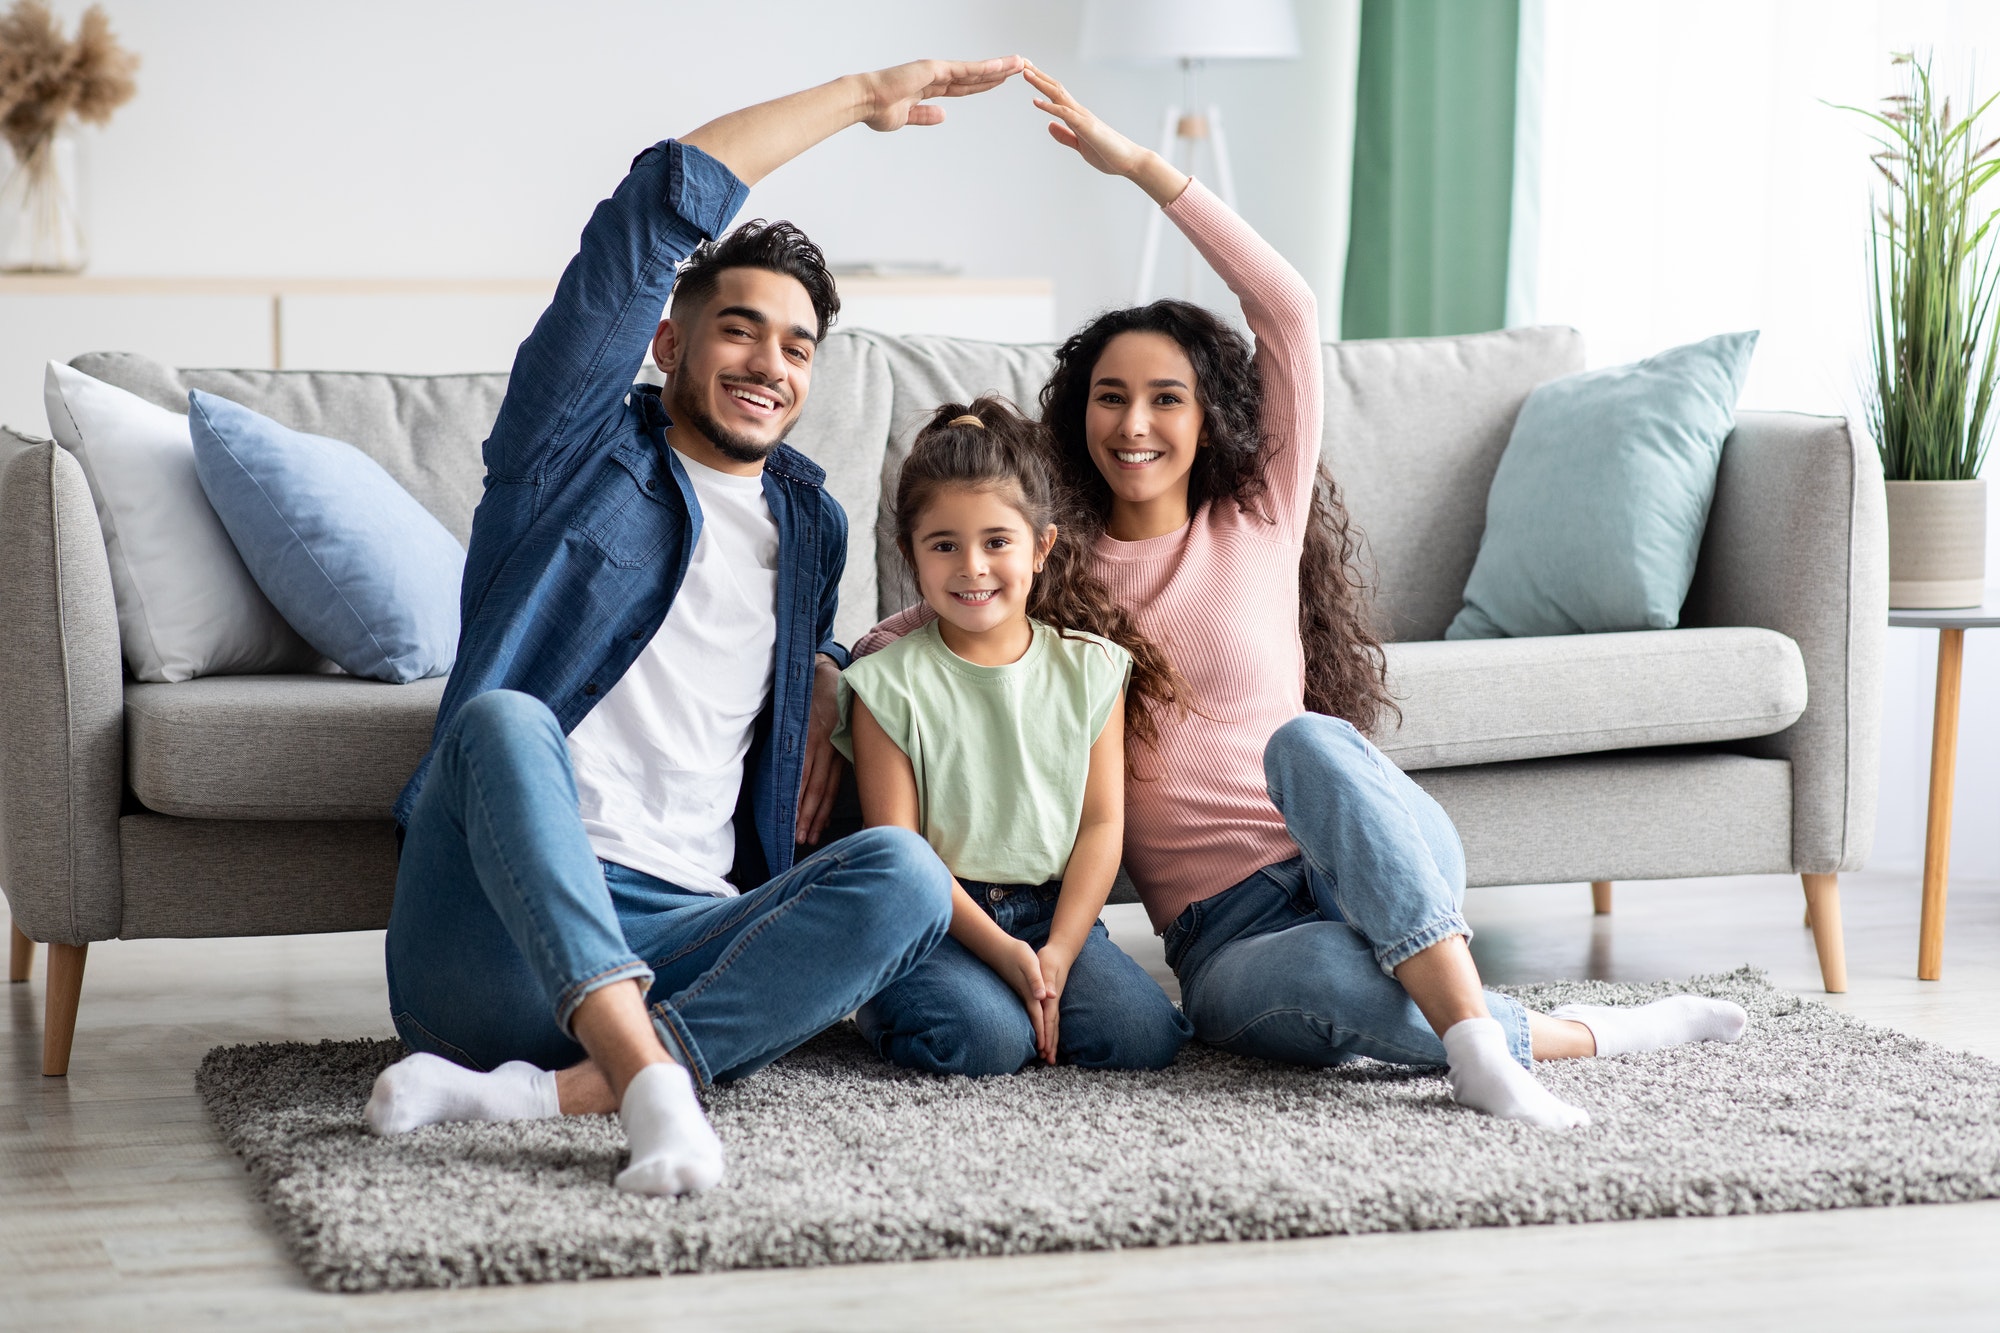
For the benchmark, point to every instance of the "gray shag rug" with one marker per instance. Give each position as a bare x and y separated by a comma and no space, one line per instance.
835,1158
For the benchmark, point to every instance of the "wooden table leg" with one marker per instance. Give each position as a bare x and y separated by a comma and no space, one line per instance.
1937,830
1600,897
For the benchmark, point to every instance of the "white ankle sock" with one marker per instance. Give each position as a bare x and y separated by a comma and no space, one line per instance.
1622,1030
1485,1076
427,1089
674,1148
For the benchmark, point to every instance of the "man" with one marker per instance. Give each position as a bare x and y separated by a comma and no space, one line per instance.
598,849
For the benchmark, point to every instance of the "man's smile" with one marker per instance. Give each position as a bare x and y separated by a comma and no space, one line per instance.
756,401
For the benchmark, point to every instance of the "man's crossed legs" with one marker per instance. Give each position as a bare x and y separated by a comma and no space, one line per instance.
506,924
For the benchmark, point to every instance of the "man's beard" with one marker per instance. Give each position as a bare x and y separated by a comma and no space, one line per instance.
730,444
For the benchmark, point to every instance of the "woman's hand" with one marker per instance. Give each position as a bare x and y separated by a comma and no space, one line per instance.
1020,967
895,96
1056,962
1100,145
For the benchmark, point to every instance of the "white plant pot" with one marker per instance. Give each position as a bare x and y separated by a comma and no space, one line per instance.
1937,544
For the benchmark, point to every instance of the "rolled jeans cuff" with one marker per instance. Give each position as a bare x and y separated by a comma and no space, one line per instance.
1513,1020
674,1036
1394,954
574,995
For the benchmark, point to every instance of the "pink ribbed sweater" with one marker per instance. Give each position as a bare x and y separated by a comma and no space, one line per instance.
1221,595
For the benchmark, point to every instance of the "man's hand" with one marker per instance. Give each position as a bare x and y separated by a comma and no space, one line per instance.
757,140
823,763
895,96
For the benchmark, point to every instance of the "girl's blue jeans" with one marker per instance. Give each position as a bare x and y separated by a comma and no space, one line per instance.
952,1014
505,919
1297,962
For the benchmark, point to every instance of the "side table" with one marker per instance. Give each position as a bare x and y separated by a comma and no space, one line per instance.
1951,627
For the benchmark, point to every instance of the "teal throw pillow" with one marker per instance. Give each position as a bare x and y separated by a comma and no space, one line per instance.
1597,510
363,572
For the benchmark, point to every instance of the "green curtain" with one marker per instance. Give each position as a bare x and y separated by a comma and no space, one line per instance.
1433,168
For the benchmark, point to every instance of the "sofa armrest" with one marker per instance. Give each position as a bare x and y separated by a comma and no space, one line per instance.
62,701
1797,542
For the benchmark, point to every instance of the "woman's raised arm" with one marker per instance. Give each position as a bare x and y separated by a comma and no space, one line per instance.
1280,307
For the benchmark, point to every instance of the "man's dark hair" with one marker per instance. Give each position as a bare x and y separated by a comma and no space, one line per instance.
778,247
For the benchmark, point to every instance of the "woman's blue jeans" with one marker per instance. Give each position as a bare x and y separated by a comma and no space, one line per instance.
505,919
1297,962
952,1014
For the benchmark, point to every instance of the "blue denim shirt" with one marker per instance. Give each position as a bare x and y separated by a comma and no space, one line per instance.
588,521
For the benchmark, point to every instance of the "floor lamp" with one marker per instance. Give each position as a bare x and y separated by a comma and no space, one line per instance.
1188,33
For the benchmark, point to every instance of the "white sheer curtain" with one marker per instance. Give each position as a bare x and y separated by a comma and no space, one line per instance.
1692,180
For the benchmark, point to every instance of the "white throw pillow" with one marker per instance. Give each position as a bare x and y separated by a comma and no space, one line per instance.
187,605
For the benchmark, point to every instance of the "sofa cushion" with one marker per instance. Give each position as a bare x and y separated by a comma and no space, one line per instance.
276,747
425,430
1484,701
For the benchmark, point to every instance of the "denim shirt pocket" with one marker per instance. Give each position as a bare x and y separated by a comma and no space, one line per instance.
626,515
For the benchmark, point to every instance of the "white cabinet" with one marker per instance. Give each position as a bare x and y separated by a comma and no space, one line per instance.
410,326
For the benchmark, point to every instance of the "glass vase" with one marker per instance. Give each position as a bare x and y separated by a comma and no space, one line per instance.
41,226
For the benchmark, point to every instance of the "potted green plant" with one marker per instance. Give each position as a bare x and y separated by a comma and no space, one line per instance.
1936,336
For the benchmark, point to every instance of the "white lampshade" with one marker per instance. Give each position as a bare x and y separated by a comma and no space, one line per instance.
1148,32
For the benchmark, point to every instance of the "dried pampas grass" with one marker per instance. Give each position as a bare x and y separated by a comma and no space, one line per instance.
45,78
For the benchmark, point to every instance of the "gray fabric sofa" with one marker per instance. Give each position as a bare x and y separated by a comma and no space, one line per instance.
1743,743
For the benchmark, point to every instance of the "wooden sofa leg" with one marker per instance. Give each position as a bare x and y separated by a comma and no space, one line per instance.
21,958
1823,913
59,1022
1600,897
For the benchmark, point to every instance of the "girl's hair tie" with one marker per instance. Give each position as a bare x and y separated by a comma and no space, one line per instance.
967,420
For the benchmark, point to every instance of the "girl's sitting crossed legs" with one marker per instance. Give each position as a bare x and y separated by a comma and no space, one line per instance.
998,732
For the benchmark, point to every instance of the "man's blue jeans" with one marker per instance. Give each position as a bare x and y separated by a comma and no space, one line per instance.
952,1014
1297,962
505,919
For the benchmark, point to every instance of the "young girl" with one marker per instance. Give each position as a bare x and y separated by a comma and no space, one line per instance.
998,732
1310,893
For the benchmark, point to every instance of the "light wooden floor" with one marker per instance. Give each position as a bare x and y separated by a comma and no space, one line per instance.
119,1208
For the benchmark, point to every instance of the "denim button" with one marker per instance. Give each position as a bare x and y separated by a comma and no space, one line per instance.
590,688
652,485
995,895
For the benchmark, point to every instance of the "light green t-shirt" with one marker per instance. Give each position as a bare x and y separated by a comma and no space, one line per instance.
1000,753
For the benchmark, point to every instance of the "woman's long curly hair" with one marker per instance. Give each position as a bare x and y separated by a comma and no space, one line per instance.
1010,455
1346,675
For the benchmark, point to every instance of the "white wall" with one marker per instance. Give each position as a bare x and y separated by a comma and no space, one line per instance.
1694,181
444,137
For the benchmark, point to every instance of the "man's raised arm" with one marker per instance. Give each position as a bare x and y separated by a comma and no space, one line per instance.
587,345
757,140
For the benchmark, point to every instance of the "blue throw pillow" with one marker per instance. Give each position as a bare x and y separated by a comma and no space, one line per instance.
1597,510
362,571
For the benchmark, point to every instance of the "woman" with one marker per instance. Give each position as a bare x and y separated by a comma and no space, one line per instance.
1309,892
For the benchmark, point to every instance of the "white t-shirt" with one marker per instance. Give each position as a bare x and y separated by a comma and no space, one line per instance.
659,762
